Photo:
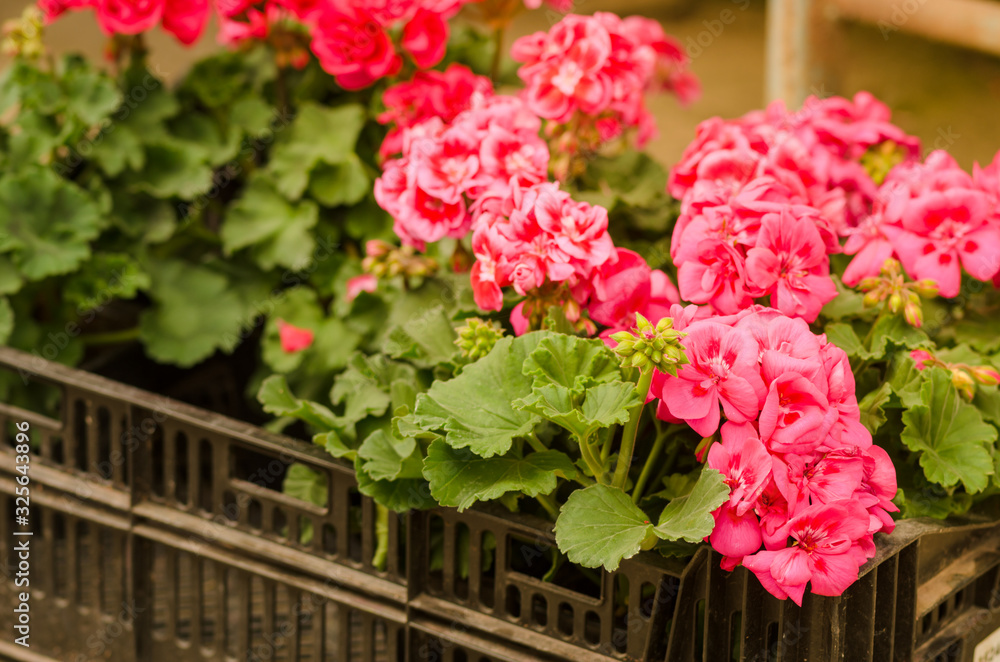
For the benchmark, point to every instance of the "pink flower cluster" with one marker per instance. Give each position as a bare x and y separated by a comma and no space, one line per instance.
600,67
429,94
936,219
351,38
185,19
528,237
805,480
446,166
558,251
766,198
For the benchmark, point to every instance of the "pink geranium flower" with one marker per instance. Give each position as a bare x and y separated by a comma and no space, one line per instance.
359,284
825,553
805,480
796,416
744,462
722,370
353,46
425,38
293,338
945,231
790,262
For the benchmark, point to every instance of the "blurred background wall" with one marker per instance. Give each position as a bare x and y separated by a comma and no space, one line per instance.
948,96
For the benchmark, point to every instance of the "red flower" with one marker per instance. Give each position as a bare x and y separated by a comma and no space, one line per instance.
425,38
353,47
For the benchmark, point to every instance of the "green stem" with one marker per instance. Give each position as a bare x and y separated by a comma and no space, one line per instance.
647,468
498,35
868,337
583,480
629,433
549,504
111,337
609,437
381,553
281,90
535,443
595,465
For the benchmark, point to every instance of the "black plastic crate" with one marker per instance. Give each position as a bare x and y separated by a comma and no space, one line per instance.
182,547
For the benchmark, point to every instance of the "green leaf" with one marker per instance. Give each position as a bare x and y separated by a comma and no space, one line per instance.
690,517
307,485
460,478
46,222
118,147
90,94
202,137
872,414
277,399
105,277
198,310
599,525
339,183
6,320
572,362
277,231
843,336
475,409
978,331
892,330
172,170
252,115
602,406
333,444
10,279
950,435
905,378
363,388
987,401
386,457
304,484
425,340
317,135
846,305
398,495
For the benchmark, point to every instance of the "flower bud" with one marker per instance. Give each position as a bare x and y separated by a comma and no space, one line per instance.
647,344
477,337
872,298
870,283
914,315
895,302
890,267
926,288
986,375
963,382
923,358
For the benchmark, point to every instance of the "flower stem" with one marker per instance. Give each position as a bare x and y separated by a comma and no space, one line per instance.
111,337
590,459
535,443
498,35
647,468
631,428
549,504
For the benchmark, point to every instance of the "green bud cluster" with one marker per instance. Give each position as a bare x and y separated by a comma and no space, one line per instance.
23,36
651,345
384,260
477,337
897,294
